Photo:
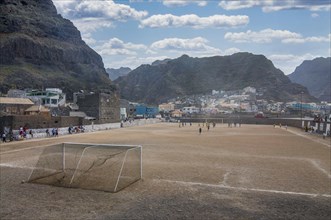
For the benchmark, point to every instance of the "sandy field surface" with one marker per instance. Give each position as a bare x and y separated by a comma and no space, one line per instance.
251,172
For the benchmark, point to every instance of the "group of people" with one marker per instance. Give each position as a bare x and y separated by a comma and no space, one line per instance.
234,124
280,126
23,133
182,124
54,132
207,126
76,129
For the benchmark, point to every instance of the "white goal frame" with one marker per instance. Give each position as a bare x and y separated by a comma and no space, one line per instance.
95,145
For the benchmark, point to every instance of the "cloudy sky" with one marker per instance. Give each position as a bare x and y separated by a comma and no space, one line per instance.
129,33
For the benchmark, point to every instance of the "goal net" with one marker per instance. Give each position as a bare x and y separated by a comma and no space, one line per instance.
89,166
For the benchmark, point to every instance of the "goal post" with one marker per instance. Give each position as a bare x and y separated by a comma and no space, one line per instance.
105,167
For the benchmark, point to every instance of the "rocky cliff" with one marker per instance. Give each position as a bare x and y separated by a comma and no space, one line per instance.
115,73
188,76
39,49
316,76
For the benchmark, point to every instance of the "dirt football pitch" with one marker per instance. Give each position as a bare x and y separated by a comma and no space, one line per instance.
247,172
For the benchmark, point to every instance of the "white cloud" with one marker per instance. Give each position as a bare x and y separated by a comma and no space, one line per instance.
184,45
87,37
192,20
175,3
116,46
202,3
269,35
90,15
308,40
288,62
231,51
314,15
98,8
87,25
263,36
234,5
133,61
64,7
276,5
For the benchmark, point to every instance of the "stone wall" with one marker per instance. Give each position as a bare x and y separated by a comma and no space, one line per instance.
104,107
39,121
89,103
109,108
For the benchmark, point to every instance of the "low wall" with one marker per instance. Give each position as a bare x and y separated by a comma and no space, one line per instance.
322,127
141,122
41,132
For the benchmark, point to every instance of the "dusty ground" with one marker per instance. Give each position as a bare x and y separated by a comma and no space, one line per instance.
252,172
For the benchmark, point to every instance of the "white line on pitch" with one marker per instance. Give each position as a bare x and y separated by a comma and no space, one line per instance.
244,189
15,166
317,166
22,149
307,137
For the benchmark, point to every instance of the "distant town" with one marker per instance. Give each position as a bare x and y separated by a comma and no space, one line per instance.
50,109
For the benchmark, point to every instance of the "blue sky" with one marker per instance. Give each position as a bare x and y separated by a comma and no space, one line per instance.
129,33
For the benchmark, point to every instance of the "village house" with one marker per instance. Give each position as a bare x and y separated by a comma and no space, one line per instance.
177,113
37,110
14,106
167,107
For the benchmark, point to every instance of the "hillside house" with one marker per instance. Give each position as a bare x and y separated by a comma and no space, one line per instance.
177,113
51,97
190,110
167,107
37,110
14,106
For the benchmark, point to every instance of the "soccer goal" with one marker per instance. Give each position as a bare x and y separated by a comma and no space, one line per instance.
103,167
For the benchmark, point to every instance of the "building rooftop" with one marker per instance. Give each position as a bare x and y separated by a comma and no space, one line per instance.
18,101
37,108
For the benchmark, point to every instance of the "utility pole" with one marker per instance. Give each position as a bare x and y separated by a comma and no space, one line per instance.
301,108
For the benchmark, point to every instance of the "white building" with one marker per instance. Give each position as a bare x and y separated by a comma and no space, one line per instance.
215,92
190,110
249,90
123,114
51,97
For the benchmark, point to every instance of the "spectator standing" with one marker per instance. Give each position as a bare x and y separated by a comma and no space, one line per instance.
3,137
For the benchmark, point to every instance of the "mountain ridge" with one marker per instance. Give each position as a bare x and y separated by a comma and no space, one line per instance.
115,73
39,48
316,76
187,75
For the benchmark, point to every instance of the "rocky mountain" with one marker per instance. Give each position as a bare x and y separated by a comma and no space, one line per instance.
115,73
39,48
158,62
187,76
316,76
